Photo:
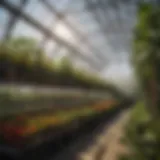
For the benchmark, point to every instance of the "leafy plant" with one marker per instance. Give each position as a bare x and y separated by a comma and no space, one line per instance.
23,61
143,130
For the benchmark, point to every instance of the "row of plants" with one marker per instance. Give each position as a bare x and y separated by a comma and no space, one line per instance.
19,127
143,129
23,61
12,104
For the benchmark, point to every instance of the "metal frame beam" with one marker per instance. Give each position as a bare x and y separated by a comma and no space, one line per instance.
82,39
17,11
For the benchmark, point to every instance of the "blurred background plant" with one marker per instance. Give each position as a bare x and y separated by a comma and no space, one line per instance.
22,61
143,130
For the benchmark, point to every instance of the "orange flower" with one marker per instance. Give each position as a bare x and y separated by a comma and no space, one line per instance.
30,130
104,105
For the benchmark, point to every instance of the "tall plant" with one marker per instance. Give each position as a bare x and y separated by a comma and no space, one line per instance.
143,130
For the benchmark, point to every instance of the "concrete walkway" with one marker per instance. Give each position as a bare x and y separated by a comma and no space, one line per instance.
107,146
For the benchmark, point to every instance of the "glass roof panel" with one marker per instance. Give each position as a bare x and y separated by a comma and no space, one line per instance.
60,5
91,28
62,31
38,11
4,18
23,29
15,2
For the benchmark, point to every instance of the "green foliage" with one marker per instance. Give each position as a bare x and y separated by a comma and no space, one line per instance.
146,48
22,60
143,130
142,135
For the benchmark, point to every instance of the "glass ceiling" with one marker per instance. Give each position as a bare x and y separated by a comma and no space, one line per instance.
93,33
